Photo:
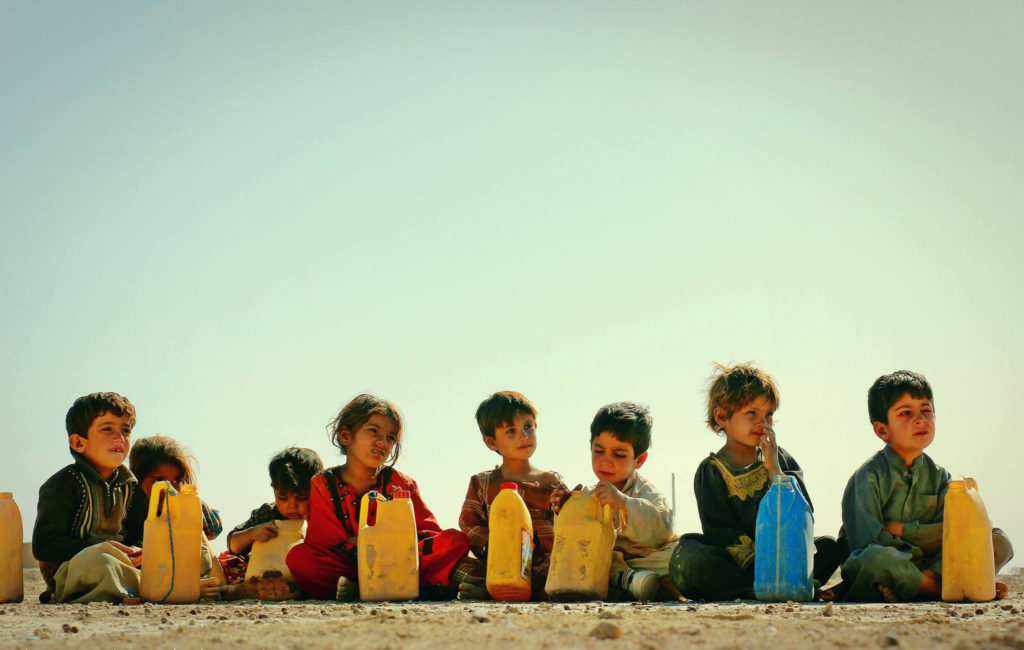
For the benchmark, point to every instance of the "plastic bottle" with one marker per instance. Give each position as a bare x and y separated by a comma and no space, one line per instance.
968,567
389,559
172,540
581,558
12,583
784,544
267,577
509,546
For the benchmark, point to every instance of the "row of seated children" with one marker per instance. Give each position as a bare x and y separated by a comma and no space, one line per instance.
90,514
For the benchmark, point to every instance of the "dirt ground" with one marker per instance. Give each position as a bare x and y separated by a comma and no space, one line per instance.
474,625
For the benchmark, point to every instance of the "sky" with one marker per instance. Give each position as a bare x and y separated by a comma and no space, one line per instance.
241,215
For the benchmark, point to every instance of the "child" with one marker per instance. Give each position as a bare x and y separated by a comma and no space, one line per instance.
160,458
368,431
729,484
79,525
893,504
291,471
619,438
508,424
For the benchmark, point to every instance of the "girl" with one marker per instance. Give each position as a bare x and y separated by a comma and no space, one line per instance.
368,431
159,458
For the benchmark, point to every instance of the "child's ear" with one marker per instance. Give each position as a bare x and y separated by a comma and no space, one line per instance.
76,442
881,430
344,435
640,460
721,417
491,443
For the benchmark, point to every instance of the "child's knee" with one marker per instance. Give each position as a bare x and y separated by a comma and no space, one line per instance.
1002,549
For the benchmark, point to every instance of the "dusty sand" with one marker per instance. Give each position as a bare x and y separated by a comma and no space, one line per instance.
476,625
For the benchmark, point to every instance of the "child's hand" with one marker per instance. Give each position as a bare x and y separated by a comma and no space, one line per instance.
770,452
210,588
895,528
264,532
134,553
558,497
609,495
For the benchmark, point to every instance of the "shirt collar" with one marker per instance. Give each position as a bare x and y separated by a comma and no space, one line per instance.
896,461
120,476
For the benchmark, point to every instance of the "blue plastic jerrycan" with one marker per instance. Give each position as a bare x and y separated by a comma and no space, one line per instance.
784,544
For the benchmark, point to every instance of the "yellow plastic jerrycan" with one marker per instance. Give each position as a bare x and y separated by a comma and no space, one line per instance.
968,568
12,585
172,540
267,577
389,559
509,546
581,558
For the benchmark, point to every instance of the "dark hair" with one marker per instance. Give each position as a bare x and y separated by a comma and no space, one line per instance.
889,388
292,469
627,421
355,414
500,409
733,387
149,453
89,407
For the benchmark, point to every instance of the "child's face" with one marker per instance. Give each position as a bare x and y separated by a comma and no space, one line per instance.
371,443
106,444
293,504
911,426
163,472
516,440
748,423
613,460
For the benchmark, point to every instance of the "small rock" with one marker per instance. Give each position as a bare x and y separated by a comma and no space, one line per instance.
890,640
979,611
608,614
606,631
163,620
828,609
691,608
70,629
477,618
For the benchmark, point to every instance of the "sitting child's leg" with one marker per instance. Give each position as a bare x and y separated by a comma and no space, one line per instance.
881,566
98,573
704,572
1002,548
829,553
440,554
316,570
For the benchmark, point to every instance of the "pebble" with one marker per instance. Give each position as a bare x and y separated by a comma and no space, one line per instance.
828,609
477,618
70,629
890,640
608,614
606,631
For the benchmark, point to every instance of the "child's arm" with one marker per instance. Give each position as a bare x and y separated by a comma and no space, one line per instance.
789,467
59,501
212,526
926,536
863,521
241,540
473,518
323,528
648,518
717,518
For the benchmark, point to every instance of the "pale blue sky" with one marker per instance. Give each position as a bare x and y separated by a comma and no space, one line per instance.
241,215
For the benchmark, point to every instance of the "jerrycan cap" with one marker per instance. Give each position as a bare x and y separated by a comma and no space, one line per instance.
510,486
402,494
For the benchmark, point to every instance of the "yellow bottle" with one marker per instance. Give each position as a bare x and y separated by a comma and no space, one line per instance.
389,558
267,577
968,566
509,546
581,558
171,543
12,584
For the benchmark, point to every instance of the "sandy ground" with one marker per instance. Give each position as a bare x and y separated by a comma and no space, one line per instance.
474,625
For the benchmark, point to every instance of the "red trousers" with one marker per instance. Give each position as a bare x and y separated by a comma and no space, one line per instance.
316,569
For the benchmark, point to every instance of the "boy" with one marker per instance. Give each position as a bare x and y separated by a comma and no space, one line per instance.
893,504
620,436
291,471
508,424
79,525
729,484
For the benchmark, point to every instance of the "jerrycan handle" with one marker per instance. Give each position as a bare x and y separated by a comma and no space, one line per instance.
157,496
364,505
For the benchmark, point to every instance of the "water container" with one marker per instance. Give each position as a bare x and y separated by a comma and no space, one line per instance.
581,558
12,585
389,559
267,577
509,546
172,540
784,544
968,567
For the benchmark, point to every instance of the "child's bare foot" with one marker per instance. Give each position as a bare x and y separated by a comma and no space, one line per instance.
470,591
887,593
348,590
1002,590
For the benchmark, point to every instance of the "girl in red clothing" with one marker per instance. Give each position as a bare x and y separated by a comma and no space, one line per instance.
368,431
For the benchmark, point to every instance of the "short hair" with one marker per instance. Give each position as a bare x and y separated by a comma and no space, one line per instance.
89,407
149,453
889,388
355,414
733,387
627,421
500,409
292,469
